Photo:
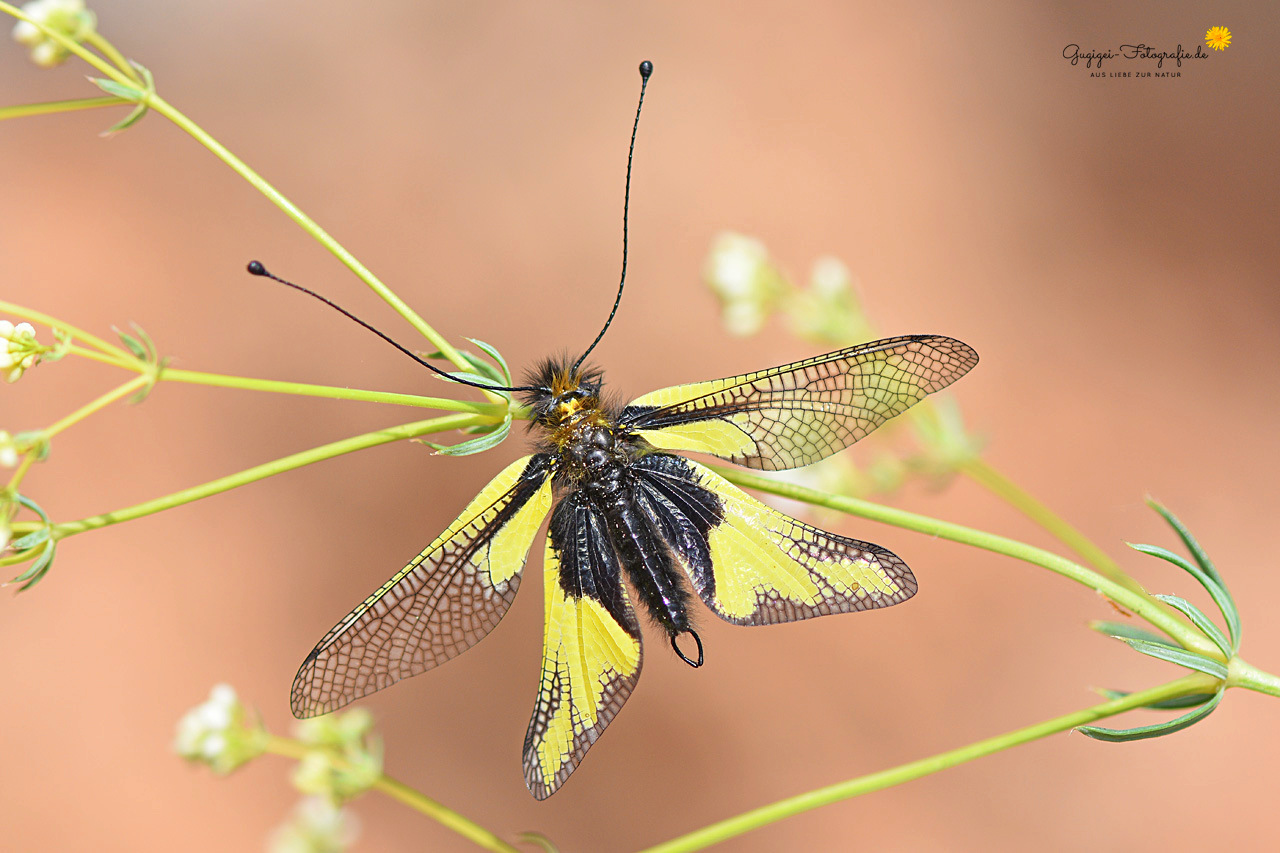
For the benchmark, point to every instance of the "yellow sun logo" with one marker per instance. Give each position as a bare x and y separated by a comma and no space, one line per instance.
1218,38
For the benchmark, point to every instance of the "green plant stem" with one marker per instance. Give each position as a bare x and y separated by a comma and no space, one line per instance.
164,108
53,323
987,476
497,410
1241,674
134,384
278,466
94,355
108,50
1144,606
407,795
21,471
718,832
47,107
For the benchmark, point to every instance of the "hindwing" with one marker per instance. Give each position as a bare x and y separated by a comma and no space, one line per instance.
591,654
800,413
439,605
753,565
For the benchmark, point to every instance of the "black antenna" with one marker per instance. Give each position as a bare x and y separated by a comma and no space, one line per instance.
256,268
646,68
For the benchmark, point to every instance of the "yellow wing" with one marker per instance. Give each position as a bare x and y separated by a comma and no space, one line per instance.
445,601
753,565
591,655
799,413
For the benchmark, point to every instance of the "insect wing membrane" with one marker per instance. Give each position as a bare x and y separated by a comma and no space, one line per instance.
591,653
797,414
753,565
439,605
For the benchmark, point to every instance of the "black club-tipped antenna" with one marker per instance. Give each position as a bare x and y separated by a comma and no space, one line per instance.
256,268
646,68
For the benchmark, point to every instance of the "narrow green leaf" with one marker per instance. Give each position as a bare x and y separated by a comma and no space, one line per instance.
130,93
1176,704
1181,657
1219,593
493,353
133,344
29,541
1123,631
1155,730
38,570
1187,539
1230,613
1197,617
143,100
475,445
33,506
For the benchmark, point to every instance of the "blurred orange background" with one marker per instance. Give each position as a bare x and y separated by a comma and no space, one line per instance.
1107,245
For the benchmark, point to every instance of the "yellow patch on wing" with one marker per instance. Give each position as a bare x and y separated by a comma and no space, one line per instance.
717,437
590,663
444,601
799,413
769,567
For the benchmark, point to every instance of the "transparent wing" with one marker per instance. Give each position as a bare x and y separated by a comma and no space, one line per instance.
439,605
753,565
591,655
799,413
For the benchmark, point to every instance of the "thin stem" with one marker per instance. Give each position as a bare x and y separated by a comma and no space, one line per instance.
94,355
53,323
415,799
1148,608
718,832
47,107
278,466
309,225
409,796
108,50
985,475
134,384
1242,674
28,459
332,392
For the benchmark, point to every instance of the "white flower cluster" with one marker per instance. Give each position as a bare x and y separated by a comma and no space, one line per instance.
68,17
215,733
18,349
8,450
740,272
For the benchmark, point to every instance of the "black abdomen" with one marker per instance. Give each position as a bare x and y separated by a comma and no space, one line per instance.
648,562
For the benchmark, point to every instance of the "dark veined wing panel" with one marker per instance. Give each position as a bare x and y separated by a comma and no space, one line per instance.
591,654
439,605
799,413
753,565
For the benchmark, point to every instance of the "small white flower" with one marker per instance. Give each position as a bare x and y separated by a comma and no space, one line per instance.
70,18
735,265
8,450
830,277
19,349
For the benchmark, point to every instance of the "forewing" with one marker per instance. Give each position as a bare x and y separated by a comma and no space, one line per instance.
591,655
439,605
753,565
799,413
